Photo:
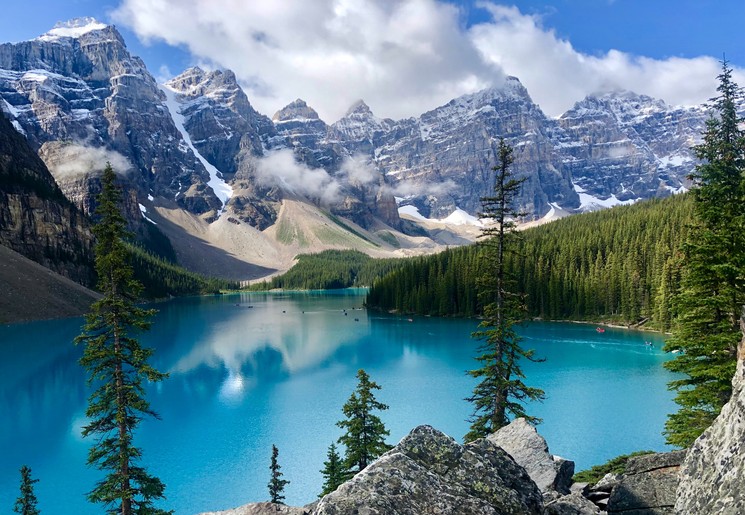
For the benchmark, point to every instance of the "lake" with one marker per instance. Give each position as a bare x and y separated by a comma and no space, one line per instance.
251,370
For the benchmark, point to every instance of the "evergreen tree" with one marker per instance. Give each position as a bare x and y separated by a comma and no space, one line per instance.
26,503
501,391
365,434
333,471
276,483
117,367
713,289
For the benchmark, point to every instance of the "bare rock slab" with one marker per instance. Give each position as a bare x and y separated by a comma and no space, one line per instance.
572,504
261,508
530,450
713,474
648,487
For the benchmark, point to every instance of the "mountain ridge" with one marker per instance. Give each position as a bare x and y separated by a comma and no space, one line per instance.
197,144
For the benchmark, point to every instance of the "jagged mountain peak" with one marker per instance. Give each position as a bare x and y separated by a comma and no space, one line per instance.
488,99
195,81
74,28
358,108
297,110
511,88
621,104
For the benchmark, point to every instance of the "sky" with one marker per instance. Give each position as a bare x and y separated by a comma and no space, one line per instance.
404,57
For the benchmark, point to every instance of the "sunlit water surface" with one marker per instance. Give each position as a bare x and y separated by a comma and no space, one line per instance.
248,371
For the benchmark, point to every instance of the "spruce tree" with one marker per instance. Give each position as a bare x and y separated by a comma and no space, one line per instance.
276,483
333,471
712,294
501,390
117,367
365,434
26,503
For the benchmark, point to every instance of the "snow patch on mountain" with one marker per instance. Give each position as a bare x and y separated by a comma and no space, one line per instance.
591,203
460,217
72,29
143,211
222,190
457,217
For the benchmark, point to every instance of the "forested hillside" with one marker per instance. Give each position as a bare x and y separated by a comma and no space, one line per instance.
332,269
162,278
620,264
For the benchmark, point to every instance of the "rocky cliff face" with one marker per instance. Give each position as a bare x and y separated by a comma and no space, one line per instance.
713,473
623,146
78,87
36,220
444,158
196,143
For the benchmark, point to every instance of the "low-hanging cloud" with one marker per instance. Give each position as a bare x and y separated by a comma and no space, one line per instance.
403,57
409,188
77,159
280,169
358,170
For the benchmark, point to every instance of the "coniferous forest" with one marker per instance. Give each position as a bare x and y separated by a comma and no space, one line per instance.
621,265
162,278
331,269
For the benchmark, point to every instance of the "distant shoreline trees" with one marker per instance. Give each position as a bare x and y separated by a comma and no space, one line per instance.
620,265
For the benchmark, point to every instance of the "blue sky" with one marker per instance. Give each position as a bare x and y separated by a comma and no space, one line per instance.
332,52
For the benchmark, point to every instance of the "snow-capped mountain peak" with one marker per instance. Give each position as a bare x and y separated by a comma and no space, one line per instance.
73,28
297,110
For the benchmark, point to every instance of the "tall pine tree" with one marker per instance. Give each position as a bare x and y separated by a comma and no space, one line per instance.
334,473
117,367
365,434
26,503
501,391
713,289
276,483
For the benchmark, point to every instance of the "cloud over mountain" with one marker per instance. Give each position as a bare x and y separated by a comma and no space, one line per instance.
402,56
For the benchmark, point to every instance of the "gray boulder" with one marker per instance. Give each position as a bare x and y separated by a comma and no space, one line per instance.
261,508
429,472
572,504
648,486
529,449
713,474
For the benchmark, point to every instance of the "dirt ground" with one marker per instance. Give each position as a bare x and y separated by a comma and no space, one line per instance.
29,291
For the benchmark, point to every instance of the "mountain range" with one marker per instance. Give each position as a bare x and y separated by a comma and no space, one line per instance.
239,194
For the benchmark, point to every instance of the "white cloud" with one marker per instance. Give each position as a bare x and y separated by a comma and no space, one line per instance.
408,188
280,169
358,170
402,56
556,75
75,159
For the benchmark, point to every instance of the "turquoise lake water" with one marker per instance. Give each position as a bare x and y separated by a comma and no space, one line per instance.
248,371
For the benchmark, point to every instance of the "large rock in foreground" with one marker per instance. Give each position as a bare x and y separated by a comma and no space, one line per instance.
261,508
530,450
429,472
713,474
648,486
